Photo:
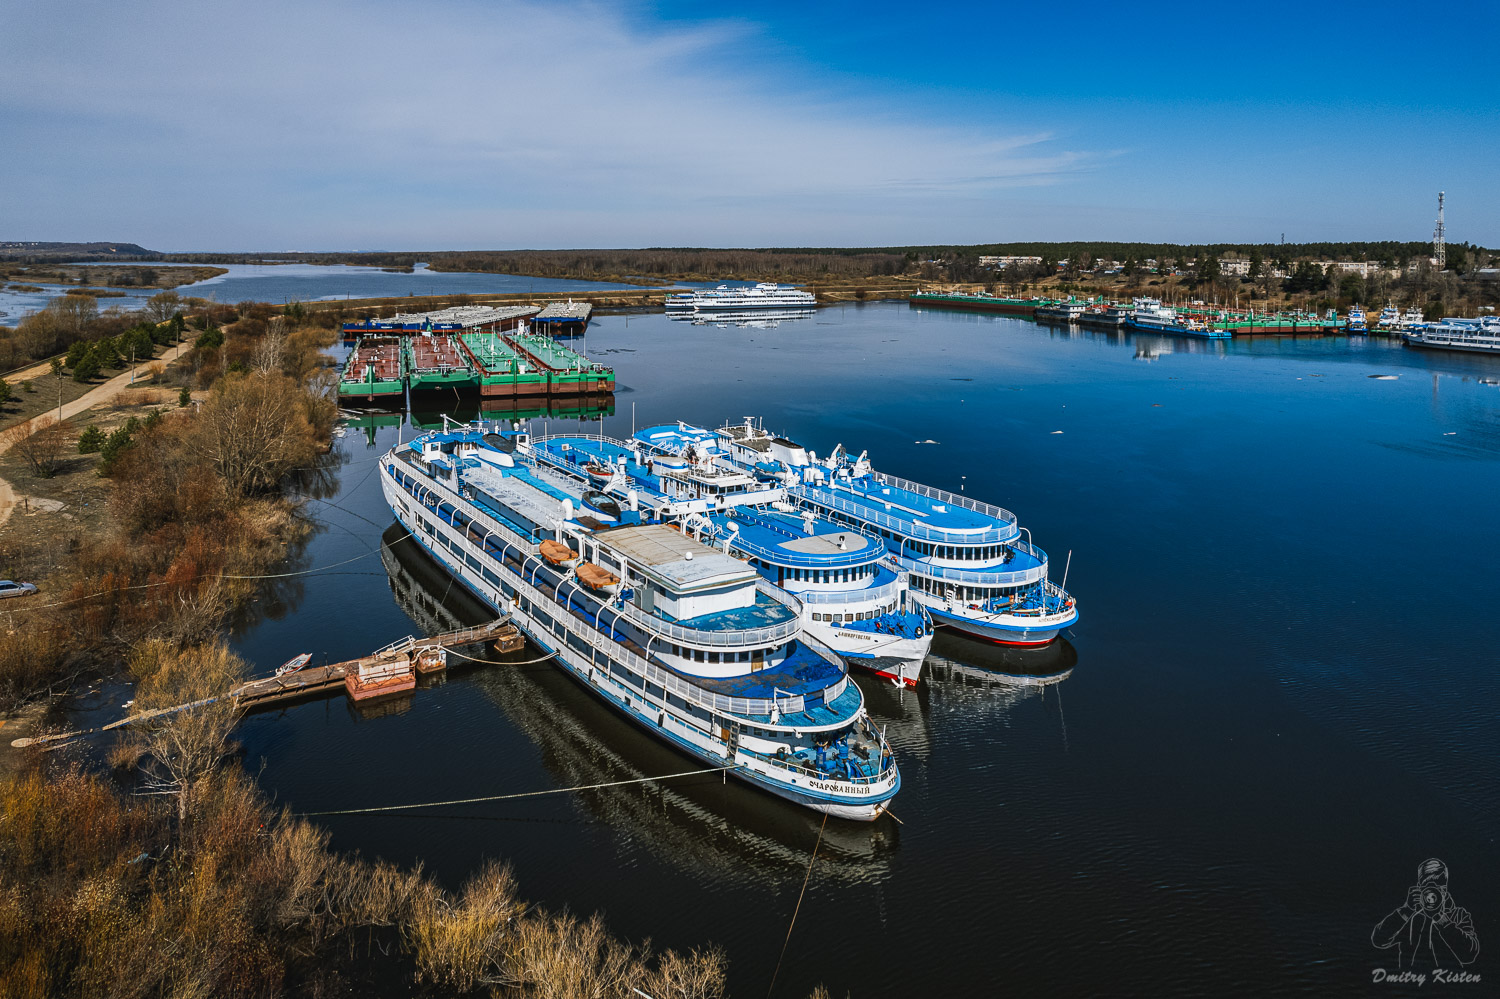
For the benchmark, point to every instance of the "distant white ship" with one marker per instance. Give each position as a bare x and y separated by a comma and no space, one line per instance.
724,298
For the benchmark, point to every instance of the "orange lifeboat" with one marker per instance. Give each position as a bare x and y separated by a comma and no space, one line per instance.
598,579
558,553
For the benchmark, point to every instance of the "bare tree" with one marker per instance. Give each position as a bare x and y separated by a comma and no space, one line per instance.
270,349
185,744
42,441
253,431
163,305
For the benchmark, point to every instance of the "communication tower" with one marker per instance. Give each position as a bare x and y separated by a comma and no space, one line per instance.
1439,245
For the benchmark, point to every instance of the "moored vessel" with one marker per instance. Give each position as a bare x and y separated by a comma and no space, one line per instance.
765,295
967,561
1479,336
692,646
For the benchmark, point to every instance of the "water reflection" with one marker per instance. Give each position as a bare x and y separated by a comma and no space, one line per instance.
973,680
756,319
717,827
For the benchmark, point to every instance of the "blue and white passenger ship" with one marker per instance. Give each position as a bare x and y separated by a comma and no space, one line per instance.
685,641
967,560
1357,322
851,600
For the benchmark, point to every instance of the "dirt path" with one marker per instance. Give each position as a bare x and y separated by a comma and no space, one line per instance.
101,393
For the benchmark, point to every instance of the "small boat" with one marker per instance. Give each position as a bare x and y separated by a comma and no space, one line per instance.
558,553
598,579
599,471
294,664
601,505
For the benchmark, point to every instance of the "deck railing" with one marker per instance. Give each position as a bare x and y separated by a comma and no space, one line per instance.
1016,577
767,635
889,591
868,510
952,499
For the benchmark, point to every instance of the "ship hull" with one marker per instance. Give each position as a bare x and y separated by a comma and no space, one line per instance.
1004,629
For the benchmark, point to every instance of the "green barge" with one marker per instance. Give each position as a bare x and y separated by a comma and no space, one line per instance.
984,303
568,372
376,370
436,362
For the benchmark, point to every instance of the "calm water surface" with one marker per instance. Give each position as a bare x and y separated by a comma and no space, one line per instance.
282,283
1279,700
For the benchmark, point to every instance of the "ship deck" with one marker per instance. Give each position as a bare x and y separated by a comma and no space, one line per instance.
878,498
780,538
439,354
803,672
384,353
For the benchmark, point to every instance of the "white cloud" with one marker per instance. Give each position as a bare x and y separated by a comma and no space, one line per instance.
469,123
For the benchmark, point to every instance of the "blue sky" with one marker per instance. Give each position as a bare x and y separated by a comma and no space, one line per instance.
492,124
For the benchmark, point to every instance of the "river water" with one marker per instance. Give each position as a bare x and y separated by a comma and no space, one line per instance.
283,283
1280,697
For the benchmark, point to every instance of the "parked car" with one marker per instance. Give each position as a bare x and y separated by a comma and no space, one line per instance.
13,589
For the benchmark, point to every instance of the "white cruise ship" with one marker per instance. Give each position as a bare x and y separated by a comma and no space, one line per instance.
726,299
1480,336
682,639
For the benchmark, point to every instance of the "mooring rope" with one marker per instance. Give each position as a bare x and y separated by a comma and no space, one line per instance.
499,662
811,860
524,794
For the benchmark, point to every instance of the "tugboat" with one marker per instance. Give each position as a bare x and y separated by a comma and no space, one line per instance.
1357,326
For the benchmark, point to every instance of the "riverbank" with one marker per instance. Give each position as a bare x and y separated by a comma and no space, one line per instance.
153,864
623,300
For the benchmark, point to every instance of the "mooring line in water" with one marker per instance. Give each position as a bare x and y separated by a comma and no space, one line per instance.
811,860
500,662
169,582
525,794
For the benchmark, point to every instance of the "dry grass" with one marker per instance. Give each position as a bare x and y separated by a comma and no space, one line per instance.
104,894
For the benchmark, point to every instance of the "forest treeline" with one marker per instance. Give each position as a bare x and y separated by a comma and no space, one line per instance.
811,264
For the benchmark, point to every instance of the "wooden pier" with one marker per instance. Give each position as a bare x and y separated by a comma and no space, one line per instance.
390,670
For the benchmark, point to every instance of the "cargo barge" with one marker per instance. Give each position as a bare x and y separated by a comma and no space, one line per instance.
376,369
503,370
985,303
436,362
567,370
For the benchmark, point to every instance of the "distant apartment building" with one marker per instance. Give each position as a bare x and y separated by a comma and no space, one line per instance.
1364,268
1001,263
1234,266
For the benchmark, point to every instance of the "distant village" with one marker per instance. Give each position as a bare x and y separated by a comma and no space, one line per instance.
1228,266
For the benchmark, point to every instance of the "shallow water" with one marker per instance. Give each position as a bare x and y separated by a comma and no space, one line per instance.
1280,697
283,283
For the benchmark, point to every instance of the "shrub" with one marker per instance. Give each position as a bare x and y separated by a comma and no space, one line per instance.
87,368
26,386
185,397
91,440
210,339
4,392
114,445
